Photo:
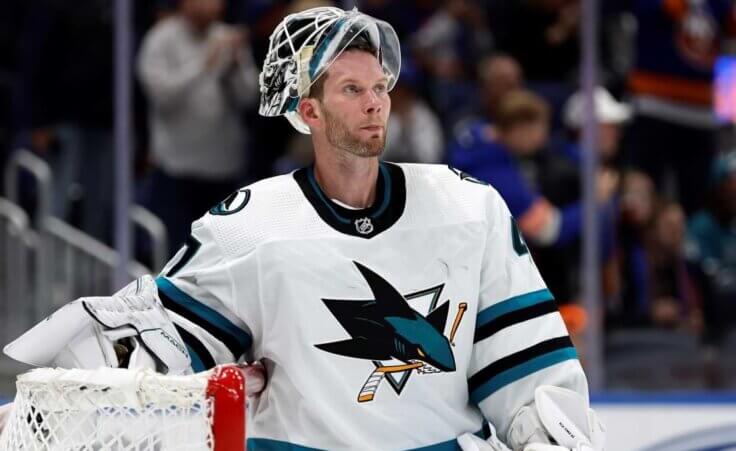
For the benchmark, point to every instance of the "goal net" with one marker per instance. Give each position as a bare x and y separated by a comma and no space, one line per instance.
127,410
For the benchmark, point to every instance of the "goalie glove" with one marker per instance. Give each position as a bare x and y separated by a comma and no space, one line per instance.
558,420
560,416
129,329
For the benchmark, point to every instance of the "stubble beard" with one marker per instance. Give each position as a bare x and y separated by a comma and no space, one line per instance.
339,136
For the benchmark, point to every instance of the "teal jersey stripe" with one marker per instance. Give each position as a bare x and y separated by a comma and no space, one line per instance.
265,444
520,371
208,314
318,190
509,305
387,191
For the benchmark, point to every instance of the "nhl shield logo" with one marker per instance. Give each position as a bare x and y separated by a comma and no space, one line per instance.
364,226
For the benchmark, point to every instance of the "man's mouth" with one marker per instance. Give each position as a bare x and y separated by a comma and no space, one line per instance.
372,128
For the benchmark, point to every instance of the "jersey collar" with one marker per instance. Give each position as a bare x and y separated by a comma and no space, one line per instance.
363,223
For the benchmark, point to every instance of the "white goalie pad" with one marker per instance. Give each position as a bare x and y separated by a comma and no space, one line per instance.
83,333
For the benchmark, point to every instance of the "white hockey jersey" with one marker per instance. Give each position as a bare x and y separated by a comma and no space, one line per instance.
400,326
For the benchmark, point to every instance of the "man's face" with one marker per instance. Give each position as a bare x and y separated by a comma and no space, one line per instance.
502,75
355,104
525,139
637,200
609,135
203,13
670,226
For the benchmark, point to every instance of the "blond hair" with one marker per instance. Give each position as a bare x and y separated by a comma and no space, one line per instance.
521,107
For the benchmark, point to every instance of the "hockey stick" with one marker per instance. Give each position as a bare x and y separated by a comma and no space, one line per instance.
374,380
459,317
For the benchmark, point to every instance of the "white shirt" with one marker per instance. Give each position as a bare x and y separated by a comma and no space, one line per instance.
195,123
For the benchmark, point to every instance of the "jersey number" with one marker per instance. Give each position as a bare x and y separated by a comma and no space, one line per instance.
191,246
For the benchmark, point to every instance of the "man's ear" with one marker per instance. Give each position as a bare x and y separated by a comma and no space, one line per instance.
309,110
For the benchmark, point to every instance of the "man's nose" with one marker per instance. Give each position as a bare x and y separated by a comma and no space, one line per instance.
372,103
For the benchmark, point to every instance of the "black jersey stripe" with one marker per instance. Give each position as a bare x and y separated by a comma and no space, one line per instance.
519,358
514,303
235,339
514,317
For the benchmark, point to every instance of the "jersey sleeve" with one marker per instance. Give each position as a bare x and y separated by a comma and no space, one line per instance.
520,339
197,289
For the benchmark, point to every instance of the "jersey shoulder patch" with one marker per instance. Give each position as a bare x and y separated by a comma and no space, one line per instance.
467,177
269,209
232,203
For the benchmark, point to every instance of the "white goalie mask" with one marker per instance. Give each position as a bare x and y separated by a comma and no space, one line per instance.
305,44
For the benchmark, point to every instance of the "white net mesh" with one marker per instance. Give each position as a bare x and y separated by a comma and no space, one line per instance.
109,409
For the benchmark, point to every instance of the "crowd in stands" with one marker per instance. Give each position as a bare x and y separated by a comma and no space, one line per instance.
488,86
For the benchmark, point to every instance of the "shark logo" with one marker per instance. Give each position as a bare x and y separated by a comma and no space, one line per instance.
397,338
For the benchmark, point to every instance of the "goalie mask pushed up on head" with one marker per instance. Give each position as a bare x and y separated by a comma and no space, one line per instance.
305,44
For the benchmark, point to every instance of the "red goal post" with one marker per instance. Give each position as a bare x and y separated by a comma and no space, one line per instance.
126,410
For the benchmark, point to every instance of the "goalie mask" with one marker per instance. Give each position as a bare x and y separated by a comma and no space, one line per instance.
305,44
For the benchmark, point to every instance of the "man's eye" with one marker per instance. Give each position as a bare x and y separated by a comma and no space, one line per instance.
351,89
380,89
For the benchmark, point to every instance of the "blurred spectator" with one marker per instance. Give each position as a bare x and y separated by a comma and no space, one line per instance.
561,182
498,74
447,47
452,39
406,16
655,288
414,131
610,115
198,74
499,154
63,103
673,135
712,247
673,298
637,205
541,34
